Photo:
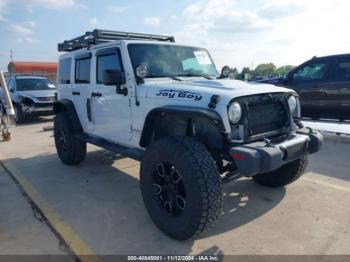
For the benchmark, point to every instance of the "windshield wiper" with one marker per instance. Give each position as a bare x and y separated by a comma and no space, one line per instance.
170,76
196,74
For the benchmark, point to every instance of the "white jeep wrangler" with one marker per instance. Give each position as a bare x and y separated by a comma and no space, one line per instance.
165,105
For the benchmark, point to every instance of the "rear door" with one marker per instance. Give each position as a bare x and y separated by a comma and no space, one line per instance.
81,90
309,81
338,91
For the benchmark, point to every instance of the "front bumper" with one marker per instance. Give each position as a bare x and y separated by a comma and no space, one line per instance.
38,109
258,157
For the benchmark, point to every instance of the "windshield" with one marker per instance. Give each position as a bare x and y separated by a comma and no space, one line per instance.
34,84
165,60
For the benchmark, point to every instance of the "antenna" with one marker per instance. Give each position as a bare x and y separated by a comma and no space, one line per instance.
11,55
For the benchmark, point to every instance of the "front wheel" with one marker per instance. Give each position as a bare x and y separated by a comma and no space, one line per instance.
19,115
284,175
180,187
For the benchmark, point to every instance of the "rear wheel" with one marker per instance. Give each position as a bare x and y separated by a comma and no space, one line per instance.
285,175
70,149
180,187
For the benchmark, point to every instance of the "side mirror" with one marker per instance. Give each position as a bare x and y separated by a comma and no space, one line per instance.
113,78
225,72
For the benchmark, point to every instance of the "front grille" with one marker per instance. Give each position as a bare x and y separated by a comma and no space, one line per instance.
43,104
266,117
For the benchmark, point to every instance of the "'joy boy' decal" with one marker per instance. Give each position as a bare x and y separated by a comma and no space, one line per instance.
170,93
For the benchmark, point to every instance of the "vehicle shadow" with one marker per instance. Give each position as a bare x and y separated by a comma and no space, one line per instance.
34,120
244,201
101,201
333,159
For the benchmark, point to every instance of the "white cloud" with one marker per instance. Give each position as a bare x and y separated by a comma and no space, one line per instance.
3,6
93,22
279,9
31,4
24,32
21,30
283,32
222,16
116,8
152,21
192,9
50,4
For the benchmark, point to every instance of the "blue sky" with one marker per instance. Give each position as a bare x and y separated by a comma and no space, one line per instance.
237,33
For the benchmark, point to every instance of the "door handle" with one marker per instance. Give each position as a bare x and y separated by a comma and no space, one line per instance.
88,109
122,90
75,93
96,94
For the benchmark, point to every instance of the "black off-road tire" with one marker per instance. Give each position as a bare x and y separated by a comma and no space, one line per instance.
285,175
72,150
19,115
201,183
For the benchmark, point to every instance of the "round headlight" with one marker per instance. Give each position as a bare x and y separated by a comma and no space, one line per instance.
292,102
235,112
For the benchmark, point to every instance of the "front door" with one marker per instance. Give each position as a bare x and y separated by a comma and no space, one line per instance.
309,82
111,111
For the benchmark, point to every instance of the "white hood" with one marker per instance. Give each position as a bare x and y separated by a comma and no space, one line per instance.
202,90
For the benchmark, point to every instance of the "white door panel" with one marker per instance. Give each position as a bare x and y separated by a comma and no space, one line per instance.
111,111
112,115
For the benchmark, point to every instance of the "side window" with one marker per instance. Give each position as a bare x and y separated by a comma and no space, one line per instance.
311,71
10,84
342,69
64,71
107,62
82,71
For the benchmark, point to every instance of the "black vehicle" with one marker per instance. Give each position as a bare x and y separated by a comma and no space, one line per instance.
323,84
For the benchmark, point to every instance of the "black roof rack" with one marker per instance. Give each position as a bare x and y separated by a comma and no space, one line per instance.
98,36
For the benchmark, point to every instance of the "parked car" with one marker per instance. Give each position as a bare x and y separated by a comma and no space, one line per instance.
30,95
323,84
150,99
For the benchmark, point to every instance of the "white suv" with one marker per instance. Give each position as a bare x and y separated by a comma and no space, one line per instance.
165,105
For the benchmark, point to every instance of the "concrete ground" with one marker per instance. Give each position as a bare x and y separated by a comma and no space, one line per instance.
22,231
96,207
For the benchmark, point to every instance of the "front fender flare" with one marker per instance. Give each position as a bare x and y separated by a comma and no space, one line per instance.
187,112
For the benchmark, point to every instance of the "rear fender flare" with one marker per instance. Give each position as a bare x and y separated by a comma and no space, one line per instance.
68,107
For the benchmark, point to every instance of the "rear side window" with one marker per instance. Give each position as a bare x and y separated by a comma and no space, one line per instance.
64,71
311,71
342,69
82,71
107,62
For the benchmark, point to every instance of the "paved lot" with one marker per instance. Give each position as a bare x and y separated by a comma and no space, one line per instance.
21,232
97,206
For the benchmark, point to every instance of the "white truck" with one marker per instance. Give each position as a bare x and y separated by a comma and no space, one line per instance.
145,97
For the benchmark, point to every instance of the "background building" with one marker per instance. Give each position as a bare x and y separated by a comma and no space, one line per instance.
47,69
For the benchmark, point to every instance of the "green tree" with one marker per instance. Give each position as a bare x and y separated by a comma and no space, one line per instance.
245,74
265,70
